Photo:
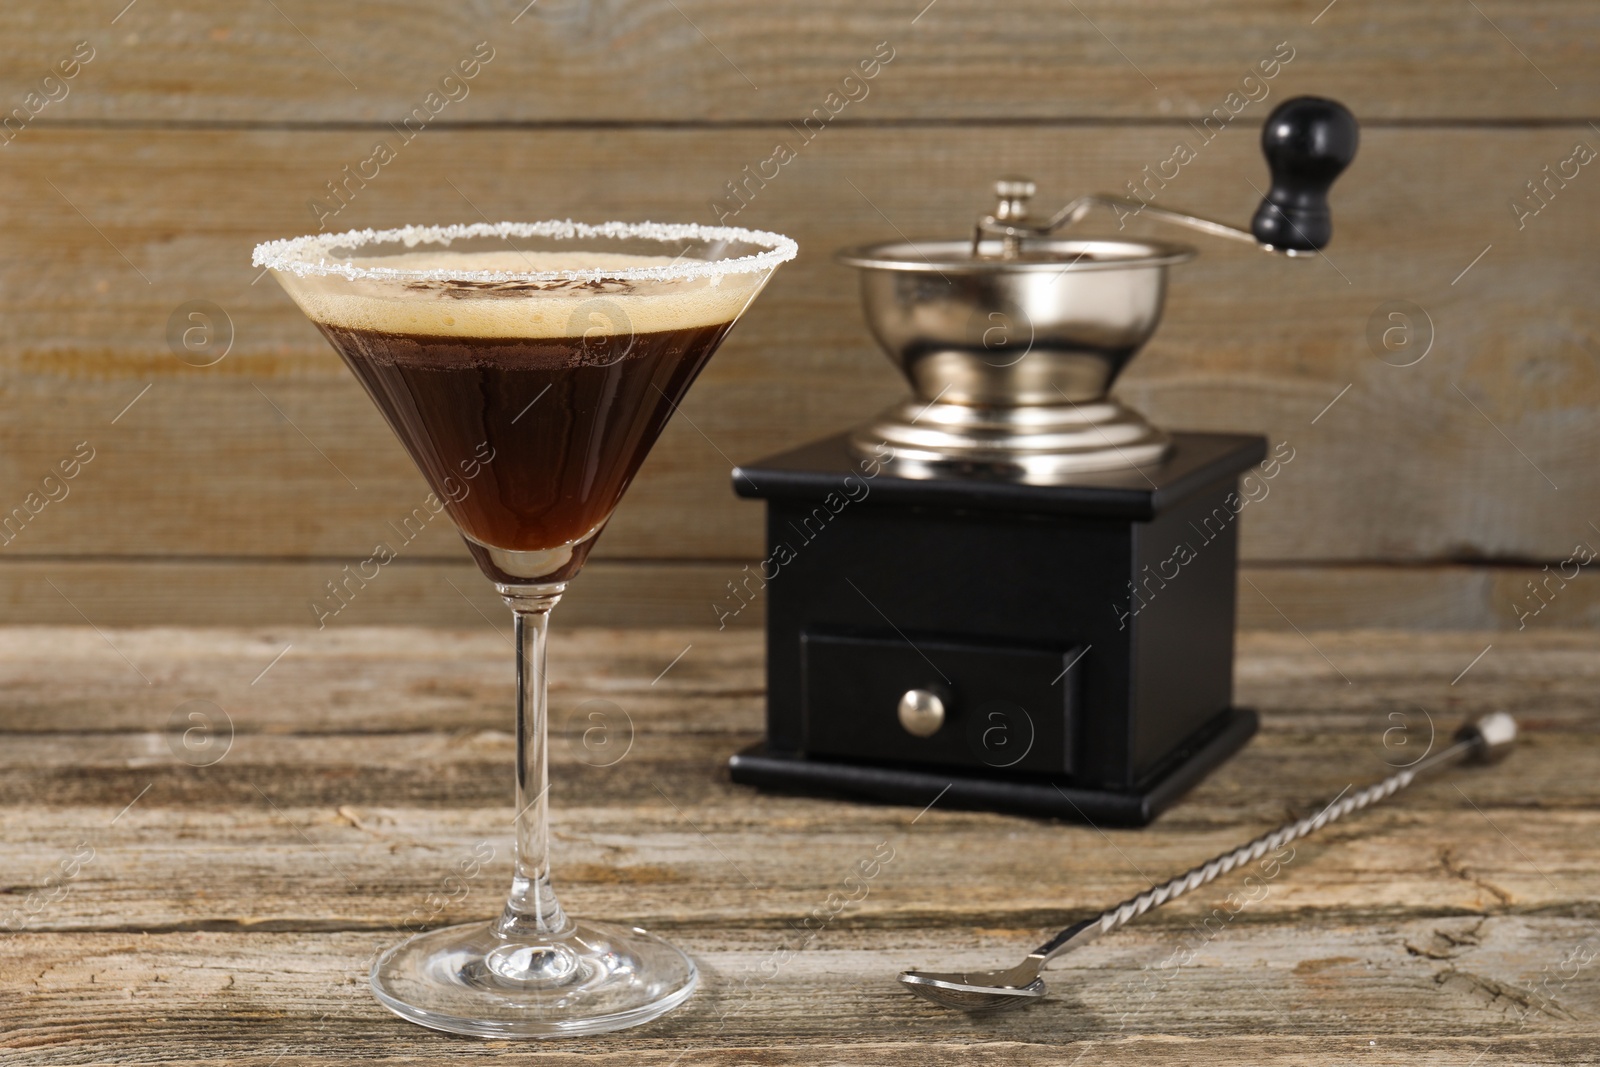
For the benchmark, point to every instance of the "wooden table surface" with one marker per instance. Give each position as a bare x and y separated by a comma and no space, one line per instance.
194,890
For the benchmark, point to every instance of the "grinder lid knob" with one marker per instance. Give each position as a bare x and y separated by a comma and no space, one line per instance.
1013,195
1308,142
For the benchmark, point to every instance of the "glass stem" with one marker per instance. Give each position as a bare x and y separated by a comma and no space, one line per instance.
532,911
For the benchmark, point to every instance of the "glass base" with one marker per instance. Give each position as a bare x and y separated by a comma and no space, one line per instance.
472,980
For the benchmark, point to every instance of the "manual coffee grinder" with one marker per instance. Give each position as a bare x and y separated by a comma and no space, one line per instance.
1010,591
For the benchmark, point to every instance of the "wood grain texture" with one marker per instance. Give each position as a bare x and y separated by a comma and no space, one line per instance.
220,592
723,60
629,593
197,128
231,912
1478,452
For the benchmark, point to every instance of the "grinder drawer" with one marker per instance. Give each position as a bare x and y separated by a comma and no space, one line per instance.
937,700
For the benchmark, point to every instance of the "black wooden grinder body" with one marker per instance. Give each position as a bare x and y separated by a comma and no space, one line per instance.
1080,636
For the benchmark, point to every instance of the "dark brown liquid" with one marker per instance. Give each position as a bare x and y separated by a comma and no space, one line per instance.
530,444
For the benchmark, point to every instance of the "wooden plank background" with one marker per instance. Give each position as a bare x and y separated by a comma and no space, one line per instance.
1424,496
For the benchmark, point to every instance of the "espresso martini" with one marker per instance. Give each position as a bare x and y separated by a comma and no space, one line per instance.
529,418
528,368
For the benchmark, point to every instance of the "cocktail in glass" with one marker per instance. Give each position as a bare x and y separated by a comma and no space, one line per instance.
528,368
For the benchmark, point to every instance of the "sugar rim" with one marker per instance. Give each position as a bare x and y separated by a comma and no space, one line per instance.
307,255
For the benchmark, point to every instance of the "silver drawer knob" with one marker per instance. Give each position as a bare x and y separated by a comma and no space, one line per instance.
921,712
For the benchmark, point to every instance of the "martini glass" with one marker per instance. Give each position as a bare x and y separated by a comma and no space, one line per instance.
528,368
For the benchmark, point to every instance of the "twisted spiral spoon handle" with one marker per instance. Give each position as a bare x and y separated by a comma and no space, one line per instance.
1209,871
1485,740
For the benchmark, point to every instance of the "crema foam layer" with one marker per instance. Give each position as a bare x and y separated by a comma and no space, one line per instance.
513,309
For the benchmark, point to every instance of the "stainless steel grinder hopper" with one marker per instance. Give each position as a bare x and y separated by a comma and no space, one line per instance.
1012,341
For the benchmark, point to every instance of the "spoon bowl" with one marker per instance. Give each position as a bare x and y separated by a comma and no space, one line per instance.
974,991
